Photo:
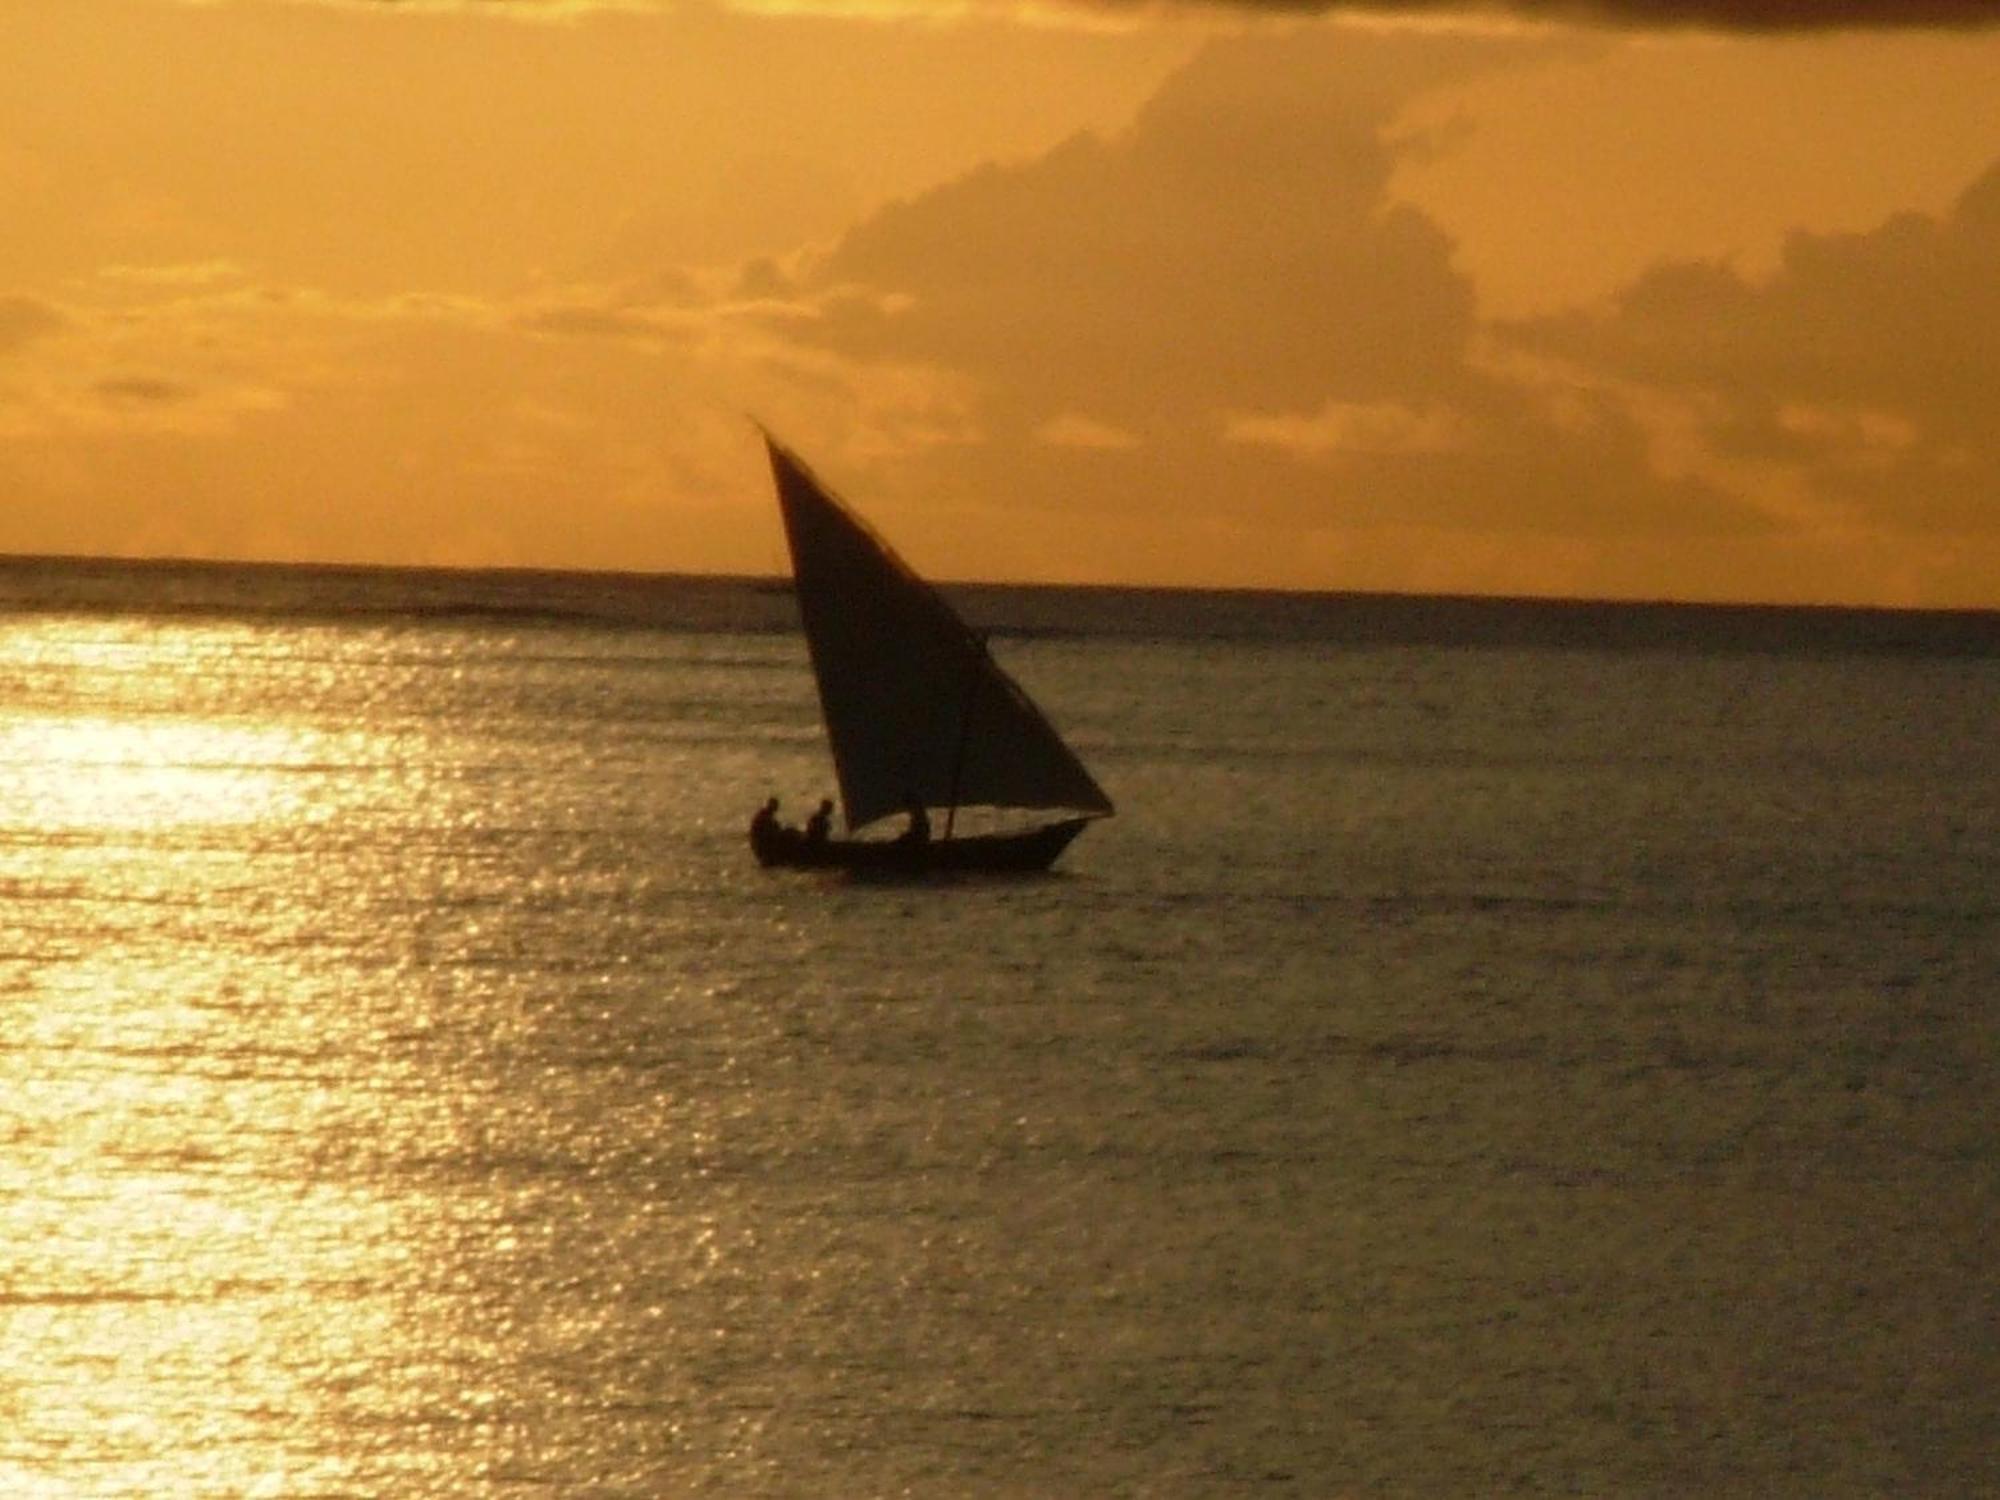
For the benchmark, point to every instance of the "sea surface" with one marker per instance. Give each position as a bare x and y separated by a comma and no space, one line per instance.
1495,1049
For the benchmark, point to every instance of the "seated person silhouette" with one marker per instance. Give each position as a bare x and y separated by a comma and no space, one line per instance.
819,827
766,832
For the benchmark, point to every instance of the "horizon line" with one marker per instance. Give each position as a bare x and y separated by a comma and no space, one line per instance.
638,575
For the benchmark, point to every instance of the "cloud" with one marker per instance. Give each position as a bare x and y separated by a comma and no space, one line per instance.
1354,427
578,319
1237,239
299,424
1223,316
183,414
1860,373
23,320
145,389
1074,430
193,275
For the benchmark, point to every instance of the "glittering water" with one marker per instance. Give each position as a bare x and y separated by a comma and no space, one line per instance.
1456,1071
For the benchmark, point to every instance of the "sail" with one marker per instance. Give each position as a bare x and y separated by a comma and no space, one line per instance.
914,705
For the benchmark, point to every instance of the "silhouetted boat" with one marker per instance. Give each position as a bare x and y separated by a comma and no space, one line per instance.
917,712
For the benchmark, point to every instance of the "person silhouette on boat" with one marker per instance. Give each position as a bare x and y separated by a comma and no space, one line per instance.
918,832
819,827
766,832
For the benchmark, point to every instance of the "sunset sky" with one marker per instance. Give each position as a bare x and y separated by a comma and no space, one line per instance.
1631,298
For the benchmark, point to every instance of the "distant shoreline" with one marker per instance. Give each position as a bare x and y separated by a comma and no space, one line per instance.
762,604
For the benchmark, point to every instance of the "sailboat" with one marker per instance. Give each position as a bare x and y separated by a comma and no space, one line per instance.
918,714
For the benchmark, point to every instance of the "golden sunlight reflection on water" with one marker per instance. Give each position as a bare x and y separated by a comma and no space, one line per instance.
295,1177
106,774
184,1292
112,735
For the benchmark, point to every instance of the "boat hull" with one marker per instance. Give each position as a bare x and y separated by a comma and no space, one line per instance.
1023,853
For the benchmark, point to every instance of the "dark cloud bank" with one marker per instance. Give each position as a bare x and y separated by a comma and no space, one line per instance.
1716,15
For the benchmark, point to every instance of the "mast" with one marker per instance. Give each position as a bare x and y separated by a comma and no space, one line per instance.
973,663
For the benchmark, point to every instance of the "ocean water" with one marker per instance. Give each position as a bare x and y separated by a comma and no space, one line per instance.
1494,1050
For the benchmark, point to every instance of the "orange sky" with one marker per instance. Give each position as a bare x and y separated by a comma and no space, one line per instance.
1112,293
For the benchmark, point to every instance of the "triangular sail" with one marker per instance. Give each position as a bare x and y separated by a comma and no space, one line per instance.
914,705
